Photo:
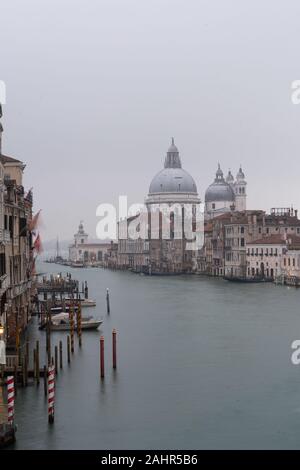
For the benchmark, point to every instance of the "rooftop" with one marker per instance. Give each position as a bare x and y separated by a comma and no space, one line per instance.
6,159
277,239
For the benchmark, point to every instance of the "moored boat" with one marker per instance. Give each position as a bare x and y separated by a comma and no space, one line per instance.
83,302
61,322
88,303
246,279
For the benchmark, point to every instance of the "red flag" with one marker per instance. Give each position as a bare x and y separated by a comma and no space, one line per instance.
38,244
33,223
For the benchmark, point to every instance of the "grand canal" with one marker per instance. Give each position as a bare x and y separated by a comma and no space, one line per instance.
202,363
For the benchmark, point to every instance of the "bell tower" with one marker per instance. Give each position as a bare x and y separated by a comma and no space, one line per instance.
80,237
240,187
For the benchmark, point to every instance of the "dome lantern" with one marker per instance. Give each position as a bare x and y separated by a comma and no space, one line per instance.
172,183
229,177
172,159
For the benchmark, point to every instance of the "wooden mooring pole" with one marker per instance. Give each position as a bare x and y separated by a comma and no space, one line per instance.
51,392
34,364
16,378
45,380
25,360
68,349
107,301
114,348
37,362
72,327
60,355
56,359
102,357
79,328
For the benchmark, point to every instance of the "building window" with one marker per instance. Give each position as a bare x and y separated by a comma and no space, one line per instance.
213,205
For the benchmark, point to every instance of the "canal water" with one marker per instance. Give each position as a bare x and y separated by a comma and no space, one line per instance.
202,363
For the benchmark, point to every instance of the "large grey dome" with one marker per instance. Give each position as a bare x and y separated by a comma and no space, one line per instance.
173,179
219,190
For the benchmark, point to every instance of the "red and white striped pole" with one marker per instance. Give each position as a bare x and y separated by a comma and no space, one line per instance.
51,392
10,399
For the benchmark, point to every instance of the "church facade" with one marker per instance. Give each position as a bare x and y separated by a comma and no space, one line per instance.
172,191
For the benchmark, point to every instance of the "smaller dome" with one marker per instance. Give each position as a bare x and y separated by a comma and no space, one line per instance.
219,190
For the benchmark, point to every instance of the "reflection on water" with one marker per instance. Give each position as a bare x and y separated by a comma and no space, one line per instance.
202,363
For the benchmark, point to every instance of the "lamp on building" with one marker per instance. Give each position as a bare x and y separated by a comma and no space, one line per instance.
1,329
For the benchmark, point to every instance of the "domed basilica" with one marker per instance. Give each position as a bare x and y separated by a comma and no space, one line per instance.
173,186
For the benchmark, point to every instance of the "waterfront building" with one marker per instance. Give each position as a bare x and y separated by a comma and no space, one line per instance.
290,262
264,257
241,228
88,252
228,235
16,249
211,257
249,226
274,256
132,254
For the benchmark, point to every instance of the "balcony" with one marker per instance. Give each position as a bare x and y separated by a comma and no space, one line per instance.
4,236
18,289
4,283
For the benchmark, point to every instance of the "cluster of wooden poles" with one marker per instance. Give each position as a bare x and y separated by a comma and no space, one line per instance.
114,353
56,361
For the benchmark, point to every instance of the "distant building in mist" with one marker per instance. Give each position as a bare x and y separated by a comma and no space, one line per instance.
83,251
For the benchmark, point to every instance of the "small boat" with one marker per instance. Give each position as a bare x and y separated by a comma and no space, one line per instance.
245,279
60,309
83,302
61,322
7,435
88,303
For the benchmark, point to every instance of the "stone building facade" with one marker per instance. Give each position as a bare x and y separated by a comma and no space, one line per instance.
16,249
172,197
274,256
83,251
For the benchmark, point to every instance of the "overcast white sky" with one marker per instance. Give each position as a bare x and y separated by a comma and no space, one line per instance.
95,90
